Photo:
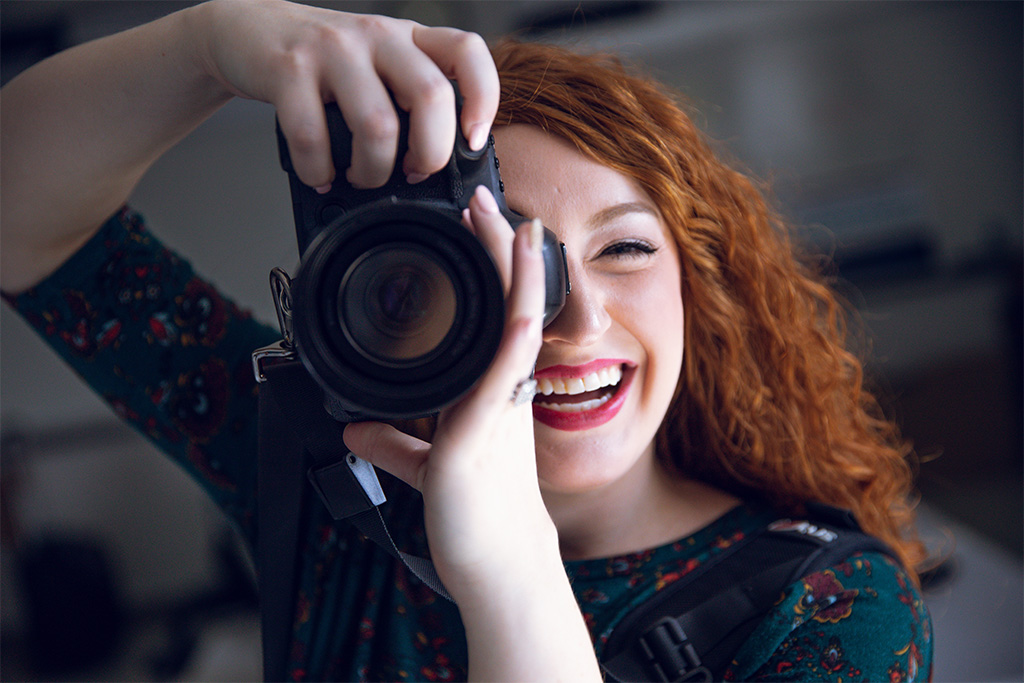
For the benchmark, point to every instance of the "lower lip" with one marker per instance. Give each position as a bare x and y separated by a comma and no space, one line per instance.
587,419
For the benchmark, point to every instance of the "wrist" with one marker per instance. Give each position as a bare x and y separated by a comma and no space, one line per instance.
526,625
527,556
198,35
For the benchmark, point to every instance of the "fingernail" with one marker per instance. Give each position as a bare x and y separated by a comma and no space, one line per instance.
536,234
414,178
486,199
323,189
478,136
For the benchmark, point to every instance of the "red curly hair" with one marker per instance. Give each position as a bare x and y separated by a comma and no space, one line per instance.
770,401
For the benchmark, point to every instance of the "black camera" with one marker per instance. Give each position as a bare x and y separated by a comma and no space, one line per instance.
397,309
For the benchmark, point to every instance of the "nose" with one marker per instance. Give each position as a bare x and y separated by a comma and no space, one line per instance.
584,319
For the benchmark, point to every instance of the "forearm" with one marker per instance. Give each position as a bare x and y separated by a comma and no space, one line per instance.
530,631
82,127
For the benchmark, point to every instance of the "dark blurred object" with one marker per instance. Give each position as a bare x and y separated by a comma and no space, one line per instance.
73,604
571,15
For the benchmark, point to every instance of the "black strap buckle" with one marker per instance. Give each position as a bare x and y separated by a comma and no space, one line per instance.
670,653
347,486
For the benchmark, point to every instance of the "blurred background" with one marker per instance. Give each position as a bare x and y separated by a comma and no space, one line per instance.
891,132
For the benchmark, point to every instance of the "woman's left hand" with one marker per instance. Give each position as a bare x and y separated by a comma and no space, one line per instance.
491,538
482,501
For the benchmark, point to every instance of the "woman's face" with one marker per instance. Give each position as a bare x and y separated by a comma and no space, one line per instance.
610,362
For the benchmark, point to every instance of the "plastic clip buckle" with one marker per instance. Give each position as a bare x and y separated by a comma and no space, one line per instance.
347,487
671,654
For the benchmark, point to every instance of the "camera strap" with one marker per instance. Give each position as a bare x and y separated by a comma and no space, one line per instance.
299,440
692,629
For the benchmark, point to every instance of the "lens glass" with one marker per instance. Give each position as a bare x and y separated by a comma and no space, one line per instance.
396,304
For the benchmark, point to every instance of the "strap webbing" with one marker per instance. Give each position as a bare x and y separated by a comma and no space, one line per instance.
708,614
279,499
300,441
300,401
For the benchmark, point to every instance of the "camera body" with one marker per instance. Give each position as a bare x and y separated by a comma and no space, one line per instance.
396,308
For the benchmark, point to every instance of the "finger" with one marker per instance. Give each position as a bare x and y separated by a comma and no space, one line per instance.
388,448
526,298
370,115
300,112
521,340
466,58
421,89
493,231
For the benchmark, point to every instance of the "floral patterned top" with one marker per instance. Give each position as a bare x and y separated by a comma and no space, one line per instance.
171,355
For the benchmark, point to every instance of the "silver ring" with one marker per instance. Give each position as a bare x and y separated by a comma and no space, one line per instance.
524,392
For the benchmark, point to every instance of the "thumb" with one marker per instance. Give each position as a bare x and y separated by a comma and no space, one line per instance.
384,446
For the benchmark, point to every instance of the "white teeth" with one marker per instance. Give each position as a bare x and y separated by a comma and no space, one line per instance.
576,407
604,377
575,386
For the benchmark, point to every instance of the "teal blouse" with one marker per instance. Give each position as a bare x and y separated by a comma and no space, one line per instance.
171,356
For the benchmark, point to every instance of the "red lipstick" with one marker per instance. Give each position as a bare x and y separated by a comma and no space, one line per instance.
585,419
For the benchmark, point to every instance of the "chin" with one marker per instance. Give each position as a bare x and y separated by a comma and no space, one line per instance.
582,467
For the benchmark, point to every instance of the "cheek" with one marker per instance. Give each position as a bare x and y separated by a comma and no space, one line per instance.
660,325
665,342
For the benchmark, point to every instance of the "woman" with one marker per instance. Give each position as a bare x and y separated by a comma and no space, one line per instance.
716,392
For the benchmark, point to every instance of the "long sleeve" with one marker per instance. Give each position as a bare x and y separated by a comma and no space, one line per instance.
164,348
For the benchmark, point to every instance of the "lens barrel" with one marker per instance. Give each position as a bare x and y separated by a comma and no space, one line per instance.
396,304
398,309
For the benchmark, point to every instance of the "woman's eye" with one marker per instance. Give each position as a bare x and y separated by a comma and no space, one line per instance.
629,249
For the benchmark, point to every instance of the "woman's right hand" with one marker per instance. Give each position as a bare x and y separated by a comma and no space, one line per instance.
82,127
297,57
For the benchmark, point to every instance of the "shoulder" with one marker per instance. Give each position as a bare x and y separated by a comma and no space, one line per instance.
861,618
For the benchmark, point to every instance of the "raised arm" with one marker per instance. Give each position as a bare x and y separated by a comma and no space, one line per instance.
81,128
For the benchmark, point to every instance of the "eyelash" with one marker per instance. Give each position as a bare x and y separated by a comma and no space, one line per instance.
629,249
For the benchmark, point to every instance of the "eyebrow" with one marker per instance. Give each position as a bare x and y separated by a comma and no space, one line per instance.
611,213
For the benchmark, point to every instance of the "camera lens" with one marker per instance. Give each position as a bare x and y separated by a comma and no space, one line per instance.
397,309
396,304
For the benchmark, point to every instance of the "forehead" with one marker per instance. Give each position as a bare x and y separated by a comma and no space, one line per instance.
547,177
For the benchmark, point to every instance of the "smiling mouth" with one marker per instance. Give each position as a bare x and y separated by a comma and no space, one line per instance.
578,394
